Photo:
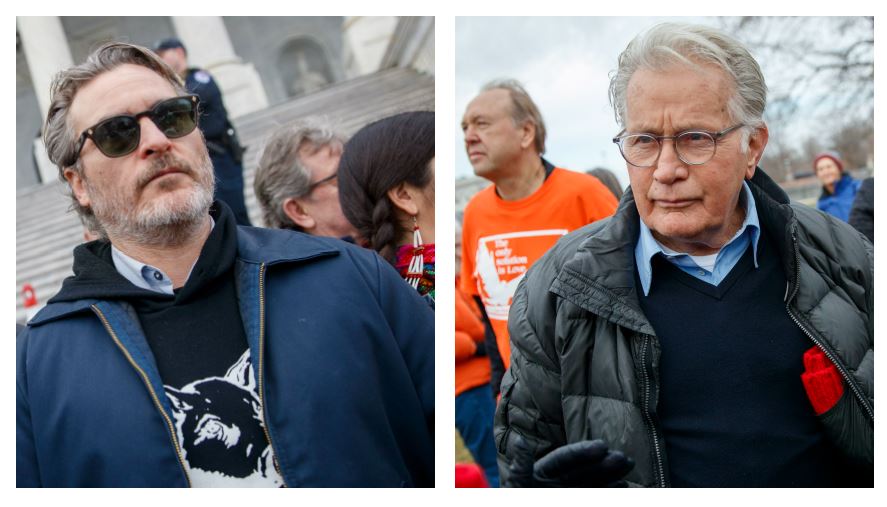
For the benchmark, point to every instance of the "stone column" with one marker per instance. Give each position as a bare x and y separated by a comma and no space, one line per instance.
366,40
412,45
46,51
209,47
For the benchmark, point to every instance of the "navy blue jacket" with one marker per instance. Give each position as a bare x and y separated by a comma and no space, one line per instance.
345,355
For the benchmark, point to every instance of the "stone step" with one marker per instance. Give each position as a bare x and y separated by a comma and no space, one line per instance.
339,93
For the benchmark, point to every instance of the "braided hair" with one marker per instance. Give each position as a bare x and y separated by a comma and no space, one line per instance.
380,156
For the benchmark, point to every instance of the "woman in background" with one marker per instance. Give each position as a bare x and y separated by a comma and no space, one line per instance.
838,188
386,189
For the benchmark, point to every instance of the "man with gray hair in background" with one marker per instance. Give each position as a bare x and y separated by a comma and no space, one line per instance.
187,350
710,333
530,205
296,180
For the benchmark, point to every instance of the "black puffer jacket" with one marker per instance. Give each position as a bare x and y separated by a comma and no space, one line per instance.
585,358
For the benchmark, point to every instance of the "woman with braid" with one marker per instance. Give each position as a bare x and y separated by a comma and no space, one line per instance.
386,189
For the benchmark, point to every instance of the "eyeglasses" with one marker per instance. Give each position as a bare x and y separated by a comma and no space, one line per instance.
120,135
693,147
319,182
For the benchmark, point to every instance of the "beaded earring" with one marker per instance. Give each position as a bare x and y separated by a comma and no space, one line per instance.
417,263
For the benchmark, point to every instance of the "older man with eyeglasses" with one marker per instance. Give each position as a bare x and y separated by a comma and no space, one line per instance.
296,181
189,351
711,333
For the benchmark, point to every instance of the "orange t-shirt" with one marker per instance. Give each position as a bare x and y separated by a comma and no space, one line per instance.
471,371
502,239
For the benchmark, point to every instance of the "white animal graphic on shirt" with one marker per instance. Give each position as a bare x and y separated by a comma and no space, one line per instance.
219,415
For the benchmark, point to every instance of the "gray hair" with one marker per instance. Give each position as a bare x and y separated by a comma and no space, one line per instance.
674,43
522,108
281,175
58,132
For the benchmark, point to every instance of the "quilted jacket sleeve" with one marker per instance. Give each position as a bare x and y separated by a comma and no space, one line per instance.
843,318
530,403
848,427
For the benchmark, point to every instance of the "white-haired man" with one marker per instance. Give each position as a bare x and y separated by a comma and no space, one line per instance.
710,333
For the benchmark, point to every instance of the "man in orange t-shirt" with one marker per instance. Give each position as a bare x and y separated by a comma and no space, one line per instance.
531,204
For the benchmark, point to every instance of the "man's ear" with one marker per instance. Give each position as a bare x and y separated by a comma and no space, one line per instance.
75,180
404,197
756,144
528,134
295,210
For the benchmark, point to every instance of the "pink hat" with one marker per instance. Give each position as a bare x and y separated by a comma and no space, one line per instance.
836,158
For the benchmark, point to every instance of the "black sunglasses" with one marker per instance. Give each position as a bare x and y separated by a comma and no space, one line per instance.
120,135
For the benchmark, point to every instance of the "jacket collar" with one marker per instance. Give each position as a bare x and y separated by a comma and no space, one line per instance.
777,219
600,276
55,311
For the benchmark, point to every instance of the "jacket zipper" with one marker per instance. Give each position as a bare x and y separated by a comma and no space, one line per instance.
844,373
262,369
169,424
653,434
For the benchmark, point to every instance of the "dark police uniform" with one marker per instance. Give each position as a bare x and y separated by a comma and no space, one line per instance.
214,124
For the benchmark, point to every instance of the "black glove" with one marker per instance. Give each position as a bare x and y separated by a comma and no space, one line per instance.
584,464
481,349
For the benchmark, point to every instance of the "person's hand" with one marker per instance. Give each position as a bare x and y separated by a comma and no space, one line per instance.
584,464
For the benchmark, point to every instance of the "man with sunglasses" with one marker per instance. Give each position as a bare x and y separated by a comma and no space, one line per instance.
710,333
189,351
222,142
296,181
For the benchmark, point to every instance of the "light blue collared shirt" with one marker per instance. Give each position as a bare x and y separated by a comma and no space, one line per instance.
727,257
143,275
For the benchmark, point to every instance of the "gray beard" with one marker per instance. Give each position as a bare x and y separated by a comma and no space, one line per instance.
156,223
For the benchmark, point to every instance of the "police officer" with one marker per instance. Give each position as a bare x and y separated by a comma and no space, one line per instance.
221,140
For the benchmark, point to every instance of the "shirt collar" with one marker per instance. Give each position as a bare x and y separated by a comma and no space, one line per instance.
144,275
647,245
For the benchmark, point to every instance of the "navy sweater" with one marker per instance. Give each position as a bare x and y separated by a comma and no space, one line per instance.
732,408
